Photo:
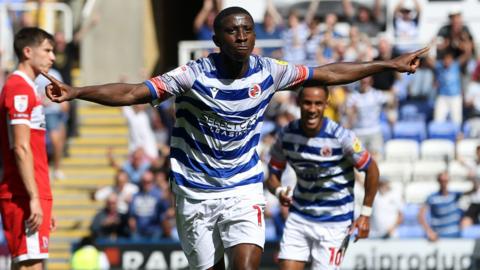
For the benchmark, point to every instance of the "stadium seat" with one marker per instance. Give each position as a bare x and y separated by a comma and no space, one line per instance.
460,186
417,192
411,112
413,231
437,149
410,213
402,150
471,128
396,171
443,130
472,232
386,131
427,170
413,130
466,148
457,171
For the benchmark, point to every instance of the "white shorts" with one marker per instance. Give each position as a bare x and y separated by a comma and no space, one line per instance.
207,227
305,240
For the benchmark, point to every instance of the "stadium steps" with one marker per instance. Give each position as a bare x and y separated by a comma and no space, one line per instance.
86,169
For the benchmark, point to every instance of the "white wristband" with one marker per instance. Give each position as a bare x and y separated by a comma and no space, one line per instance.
280,190
366,211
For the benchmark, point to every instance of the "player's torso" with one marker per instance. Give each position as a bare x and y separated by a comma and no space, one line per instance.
325,177
11,182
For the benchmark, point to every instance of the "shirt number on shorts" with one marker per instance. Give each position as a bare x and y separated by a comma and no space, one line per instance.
335,256
259,214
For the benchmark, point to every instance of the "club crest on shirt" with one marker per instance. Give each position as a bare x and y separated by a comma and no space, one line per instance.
326,151
255,91
20,102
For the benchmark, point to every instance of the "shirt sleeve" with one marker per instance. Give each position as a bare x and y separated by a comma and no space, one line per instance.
286,75
353,149
19,102
172,83
278,161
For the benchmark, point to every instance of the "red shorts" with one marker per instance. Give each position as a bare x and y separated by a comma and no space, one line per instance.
24,247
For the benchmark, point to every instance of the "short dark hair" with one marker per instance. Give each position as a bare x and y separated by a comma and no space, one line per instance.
217,23
300,91
29,36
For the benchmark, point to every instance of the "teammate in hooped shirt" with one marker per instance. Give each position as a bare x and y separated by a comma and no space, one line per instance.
323,155
218,178
25,194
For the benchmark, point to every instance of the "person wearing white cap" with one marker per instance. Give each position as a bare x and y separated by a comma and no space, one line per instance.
405,23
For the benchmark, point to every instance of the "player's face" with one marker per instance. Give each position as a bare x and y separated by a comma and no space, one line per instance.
312,102
236,37
42,57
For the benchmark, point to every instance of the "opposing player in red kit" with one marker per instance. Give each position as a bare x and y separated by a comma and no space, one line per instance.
25,194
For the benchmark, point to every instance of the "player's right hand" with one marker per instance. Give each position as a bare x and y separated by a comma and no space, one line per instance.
57,91
285,197
36,216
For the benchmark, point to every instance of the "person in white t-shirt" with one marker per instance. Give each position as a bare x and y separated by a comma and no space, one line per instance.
387,211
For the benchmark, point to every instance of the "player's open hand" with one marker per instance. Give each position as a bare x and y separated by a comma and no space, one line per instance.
57,91
36,216
409,62
285,197
362,224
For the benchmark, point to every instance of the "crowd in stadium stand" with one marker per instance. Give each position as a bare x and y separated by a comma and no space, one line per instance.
422,128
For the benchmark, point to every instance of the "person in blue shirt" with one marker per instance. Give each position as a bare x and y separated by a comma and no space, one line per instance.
216,173
445,214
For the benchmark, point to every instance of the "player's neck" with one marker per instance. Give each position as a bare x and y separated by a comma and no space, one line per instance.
233,69
27,69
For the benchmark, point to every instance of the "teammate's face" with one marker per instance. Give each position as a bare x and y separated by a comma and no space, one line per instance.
312,102
236,38
41,57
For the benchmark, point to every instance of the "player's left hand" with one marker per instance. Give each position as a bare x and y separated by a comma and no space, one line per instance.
53,224
409,62
362,224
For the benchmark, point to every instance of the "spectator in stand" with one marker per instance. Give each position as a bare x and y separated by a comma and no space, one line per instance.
122,188
405,24
109,223
387,211
203,23
146,212
135,166
472,97
368,21
448,76
384,80
445,214
454,34
140,130
363,115
270,28
296,34
358,47
56,116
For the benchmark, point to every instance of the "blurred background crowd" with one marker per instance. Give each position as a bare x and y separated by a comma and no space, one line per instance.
422,128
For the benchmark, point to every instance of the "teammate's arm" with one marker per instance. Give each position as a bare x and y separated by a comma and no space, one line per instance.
362,223
24,160
342,72
114,94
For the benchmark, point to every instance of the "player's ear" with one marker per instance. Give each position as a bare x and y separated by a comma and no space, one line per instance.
27,52
215,40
